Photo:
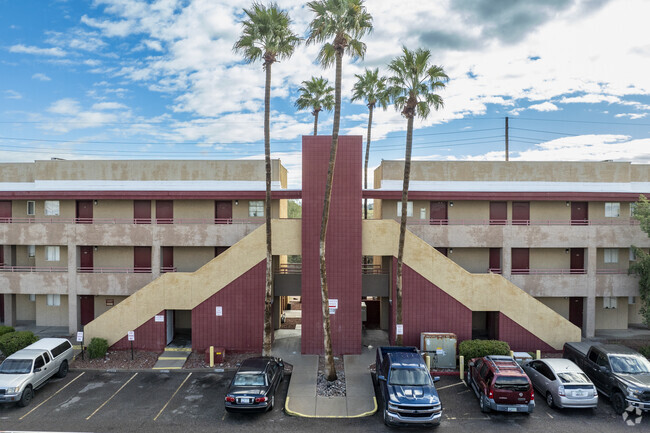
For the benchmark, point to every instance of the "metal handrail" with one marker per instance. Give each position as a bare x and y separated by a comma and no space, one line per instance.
611,271
486,222
166,269
372,269
59,220
290,268
30,269
548,272
111,270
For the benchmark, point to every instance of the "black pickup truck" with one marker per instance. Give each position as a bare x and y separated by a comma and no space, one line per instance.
618,372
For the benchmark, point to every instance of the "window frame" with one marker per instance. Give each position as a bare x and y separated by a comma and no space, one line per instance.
52,212
31,250
610,302
612,209
610,255
53,300
254,204
33,206
49,248
409,209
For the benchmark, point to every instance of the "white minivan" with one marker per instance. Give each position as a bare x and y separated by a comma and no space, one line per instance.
29,368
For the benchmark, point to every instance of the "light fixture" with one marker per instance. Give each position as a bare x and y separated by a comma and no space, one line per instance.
451,204
451,250
95,202
95,247
568,204
236,202
566,251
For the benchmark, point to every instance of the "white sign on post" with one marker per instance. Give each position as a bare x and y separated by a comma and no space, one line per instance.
399,329
160,318
80,337
332,310
219,311
131,335
334,303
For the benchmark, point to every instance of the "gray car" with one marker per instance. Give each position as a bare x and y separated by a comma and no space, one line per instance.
562,383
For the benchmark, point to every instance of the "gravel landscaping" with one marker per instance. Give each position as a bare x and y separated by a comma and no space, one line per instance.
331,389
118,359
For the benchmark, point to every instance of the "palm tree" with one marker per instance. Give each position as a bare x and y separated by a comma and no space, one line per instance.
371,88
339,25
413,86
266,36
317,95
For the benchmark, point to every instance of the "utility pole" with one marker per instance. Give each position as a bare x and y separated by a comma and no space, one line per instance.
507,158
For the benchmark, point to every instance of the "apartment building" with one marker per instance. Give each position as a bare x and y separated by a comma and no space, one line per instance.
79,237
561,231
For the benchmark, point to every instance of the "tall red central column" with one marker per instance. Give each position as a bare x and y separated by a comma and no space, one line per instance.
343,244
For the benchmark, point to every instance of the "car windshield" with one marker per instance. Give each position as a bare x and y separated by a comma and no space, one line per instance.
573,377
248,379
16,366
409,377
514,383
629,364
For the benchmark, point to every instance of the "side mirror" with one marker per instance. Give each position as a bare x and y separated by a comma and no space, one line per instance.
381,377
36,370
436,379
604,369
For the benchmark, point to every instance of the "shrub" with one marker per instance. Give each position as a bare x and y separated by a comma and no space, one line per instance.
477,348
97,348
12,342
645,351
5,330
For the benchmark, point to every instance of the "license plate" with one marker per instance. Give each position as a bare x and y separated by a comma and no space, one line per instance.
579,393
245,400
512,409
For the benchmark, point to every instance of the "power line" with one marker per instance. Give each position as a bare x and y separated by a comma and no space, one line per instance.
545,132
584,121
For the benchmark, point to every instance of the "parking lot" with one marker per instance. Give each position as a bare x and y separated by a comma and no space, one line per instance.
100,401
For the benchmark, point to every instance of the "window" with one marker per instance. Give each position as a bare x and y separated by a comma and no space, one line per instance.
409,209
632,208
32,298
38,363
609,302
51,207
611,255
53,300
31,250
612,210
632,255
31,208
47,357
256,208
52,254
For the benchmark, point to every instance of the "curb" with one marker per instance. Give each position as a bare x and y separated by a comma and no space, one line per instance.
151,370
302,415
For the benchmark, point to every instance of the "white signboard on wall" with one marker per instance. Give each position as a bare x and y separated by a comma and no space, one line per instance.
159,318
334,303
131,335
219,311
80,337
399,329
332,310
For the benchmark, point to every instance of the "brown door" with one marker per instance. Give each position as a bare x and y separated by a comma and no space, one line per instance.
223,212
5,211
495,260
87,307
84,211
521,213
579,213
498,212
575,311
443,250
168,259
438,213
142,259
142,211
219,250
2,256
164,212
86,259
520,262
577,261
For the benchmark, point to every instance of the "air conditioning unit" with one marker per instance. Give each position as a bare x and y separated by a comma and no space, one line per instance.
441,347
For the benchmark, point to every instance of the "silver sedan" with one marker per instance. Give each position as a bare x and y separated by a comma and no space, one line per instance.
562,383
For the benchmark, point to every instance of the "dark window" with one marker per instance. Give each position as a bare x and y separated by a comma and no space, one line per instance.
546,371
593,356
514,383
61,348
47,357
484,371
39,363
602,361
479,364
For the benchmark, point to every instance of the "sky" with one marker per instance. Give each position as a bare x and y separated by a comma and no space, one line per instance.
133,79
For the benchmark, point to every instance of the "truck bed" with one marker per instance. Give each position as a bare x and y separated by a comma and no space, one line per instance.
581,348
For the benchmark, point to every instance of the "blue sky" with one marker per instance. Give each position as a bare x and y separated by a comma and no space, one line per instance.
117,79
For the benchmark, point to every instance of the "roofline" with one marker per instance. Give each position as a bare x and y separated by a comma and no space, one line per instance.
149,195
507,196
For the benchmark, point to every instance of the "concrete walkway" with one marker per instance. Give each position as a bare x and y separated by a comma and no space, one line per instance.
301,397
173,358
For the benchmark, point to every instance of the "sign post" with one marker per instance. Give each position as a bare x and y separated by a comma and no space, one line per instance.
131,338
80,339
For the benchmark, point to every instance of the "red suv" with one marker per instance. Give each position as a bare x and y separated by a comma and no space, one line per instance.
500,384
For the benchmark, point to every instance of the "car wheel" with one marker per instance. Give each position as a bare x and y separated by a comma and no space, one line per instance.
549,400
272,402
63,369
485,407
27,396
618,403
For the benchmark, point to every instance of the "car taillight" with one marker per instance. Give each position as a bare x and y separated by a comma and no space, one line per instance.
532,394
490,394
561,391
261,399
595,392
230,399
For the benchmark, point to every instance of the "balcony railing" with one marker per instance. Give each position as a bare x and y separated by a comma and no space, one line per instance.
33,269
59,220
166,269
290,268
548,271
612,271
110,270
487,222
371,269
495,270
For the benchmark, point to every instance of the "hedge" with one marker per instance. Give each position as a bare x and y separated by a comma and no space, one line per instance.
5,330
97,348
476,348
645,351
12,342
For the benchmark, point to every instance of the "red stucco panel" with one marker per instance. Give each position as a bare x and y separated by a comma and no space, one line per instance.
148,336
520,339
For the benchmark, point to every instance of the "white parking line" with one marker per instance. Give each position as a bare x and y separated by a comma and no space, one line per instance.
170,398
449,386
47,399
111,397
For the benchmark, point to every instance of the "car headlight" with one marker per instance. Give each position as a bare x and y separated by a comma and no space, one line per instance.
634,392
13,390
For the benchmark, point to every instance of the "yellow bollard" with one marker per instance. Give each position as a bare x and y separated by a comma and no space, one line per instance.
461,366
512,354
427,361
538,354
211,356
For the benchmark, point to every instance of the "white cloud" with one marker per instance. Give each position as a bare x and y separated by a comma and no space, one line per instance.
12,94
65,106
544,106
108,106
41,77
632,116
25,49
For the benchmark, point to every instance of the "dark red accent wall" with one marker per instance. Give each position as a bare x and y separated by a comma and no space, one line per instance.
427,308
343,243
149,336
241,327
520,339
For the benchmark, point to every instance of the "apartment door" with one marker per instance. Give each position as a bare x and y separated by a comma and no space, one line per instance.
219,250
579,213
167,259
498,212
223,212
520,260
443,250
576,311
577,261
142,259
164,212
87,307
438,213
5,211
521,213
84,211
86,260
142,211
495,260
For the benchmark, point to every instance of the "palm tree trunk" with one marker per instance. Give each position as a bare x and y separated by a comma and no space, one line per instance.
365,166
268,328
315,122
330,369
402,225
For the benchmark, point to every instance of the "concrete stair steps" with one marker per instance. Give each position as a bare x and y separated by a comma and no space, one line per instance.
172,359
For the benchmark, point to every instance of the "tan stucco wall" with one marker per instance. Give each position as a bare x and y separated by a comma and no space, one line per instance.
389,210
118,209
549,258
549,211
22,256
559,305
475,260
25,309
597,212
194,209
623,259
17,172
40,257
240,211
190,259
634,312
614,318
51,316
113,257
100,303
469,210
67,208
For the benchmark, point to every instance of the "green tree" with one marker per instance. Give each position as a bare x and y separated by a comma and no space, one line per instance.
339,26
370,87
413,86
641,266
317,95
266,36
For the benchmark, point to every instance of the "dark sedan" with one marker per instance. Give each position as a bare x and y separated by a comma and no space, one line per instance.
254,385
